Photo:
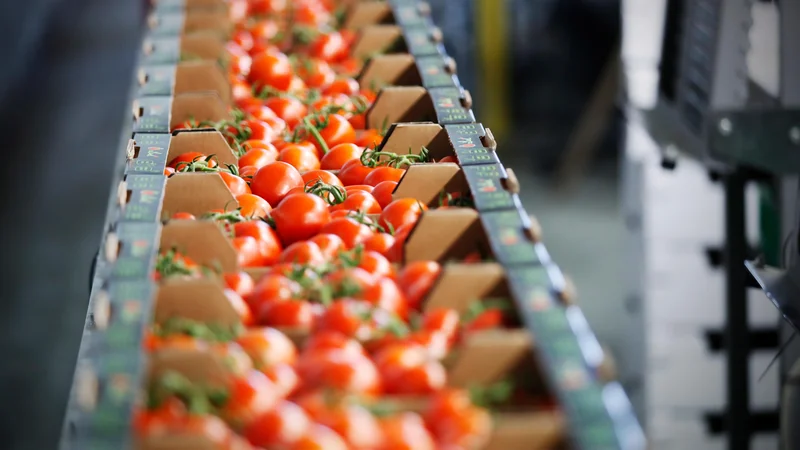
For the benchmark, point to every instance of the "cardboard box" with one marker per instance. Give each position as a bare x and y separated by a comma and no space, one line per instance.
188,76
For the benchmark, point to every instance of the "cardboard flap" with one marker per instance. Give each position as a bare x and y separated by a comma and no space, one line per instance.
200,299
447,233
198,76
400,104
198,106
198,365
543,430
204,45
208,19
376,39
361,14
405,137
201,240
207,142
197,193
207,4
425,182
504,348
394,70
461,284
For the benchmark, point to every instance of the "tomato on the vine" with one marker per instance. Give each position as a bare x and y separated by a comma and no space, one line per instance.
299,217
301,159
329,47
408,369
267,347
384,174
273,181
235,184
359,201
321,175
383,192
354,172
337,130
253,206
273,288
289,109
346,86
380,242
240,282
406,431
271,69
401,212
329,244
269,246
417,279
303,252
248,397
340,154
350,230
285,424
294,313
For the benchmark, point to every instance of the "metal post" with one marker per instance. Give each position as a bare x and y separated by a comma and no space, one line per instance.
737,336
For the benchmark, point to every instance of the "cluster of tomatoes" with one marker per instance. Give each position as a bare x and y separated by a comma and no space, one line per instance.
333,348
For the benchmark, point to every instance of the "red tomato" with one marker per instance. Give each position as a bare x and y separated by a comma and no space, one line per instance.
351,421
383,192
339,155
323,176
241,308
417,279
351,318
301,159
329,47
286,314
397,251
376,264
346,86
253,206
448,159
273,181
330,245
400,212
455,422
284,377
359,187
183,216
442,320
359,201
269,246
239,282
385,293
235,184
248,253
349,281
303,252
488,319
271,69
300,216
351,231
244,39
319,437
267,347
289,109
384,174
248,397
260,112
406,431
379,242
339,370
286,424
317,74
258,157
371,138
185,159
354,172
273,288
408,369
337,131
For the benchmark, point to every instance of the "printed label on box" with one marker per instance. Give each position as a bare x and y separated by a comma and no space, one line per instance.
138,247
145,195
487,188
156,81
407,15
151,153
448,107
152,114
510,246
168,23
420,43
468,146
433,71
161,51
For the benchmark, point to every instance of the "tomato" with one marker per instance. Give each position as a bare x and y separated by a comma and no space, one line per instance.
384,174
339,370
330,245
233,356
408,369
351,318
235,183
346,86
302,159
401,212
265,29
247,250
370,138
289,109
267,347
269,245
241,308
406,431
183,216
319,437
351,231
247,173
323,176
442,320
325,341
488,319
385,293
284,377
300,216
351,421
454,421
254,129
303,252
239,282
271,69
286,424
383,192
261,112
258,157
329,47
417,279
169,171
185,159
317,74
339,155
354,172
242,93
253,206
376,264
273,288
157,420
359,201
337,131
359,187
349,281
244,39
239,63
293,313
249,397
448,159
379,242
273,181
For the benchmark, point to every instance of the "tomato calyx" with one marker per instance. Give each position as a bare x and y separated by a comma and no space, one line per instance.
332,194
204,331
362,218
482,309
171,264
492,396
198,164
198,399
374,158
312,126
